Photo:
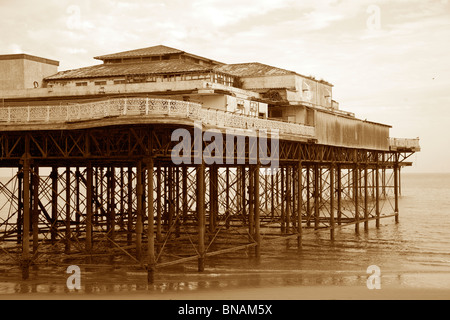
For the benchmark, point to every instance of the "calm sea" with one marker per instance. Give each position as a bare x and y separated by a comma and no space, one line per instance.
415,253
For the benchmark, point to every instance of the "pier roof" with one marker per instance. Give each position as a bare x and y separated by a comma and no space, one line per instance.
154,51
257,69
143,52
119,69
252,69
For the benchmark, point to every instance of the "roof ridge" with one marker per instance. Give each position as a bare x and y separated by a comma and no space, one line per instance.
129,52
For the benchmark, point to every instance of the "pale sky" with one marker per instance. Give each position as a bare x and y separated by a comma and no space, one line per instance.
388,60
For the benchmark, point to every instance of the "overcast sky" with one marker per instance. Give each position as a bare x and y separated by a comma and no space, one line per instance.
389,61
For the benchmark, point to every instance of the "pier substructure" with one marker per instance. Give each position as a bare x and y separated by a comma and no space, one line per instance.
115,193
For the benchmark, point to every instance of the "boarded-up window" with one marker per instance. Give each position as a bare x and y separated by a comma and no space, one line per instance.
277,113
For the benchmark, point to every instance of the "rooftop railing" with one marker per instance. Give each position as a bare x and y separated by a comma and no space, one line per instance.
402,143
125,107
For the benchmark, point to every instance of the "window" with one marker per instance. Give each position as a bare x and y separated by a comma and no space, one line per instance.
138,79
276,113
113,61
100,83
81,84
132,60
121,81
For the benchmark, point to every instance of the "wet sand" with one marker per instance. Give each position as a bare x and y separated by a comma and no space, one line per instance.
267,294
224,282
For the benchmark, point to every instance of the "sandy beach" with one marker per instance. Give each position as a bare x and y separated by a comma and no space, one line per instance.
266,294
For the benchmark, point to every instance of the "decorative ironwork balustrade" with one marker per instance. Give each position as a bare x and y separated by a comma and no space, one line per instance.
402,143
125,107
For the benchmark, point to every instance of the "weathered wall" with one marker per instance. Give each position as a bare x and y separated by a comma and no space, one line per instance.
299,114
37,71
332,129
20,72
214,102
245,106
11,74
268,82
299,89
109,88
315,92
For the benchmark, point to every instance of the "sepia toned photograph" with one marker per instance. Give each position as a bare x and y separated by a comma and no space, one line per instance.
224,151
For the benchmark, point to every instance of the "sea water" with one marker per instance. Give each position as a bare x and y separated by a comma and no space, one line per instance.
414,253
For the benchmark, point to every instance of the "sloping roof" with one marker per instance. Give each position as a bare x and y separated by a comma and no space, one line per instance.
257,69
252,69
144,52
123,69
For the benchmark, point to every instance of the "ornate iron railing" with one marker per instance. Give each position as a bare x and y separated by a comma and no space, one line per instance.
124,107
402,143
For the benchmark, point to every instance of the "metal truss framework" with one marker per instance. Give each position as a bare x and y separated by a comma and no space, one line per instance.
87,193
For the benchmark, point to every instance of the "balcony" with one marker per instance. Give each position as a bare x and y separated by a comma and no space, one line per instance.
401,144
27,117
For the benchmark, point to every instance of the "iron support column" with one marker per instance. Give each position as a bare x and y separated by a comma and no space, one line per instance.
26,217
299,205
332,190
89,198
201,215
257,222
150,216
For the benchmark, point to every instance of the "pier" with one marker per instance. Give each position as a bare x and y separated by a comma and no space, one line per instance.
97,177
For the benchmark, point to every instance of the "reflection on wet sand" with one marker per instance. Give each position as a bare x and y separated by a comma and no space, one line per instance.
225,273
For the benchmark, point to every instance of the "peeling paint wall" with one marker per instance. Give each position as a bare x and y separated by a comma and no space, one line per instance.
332,129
